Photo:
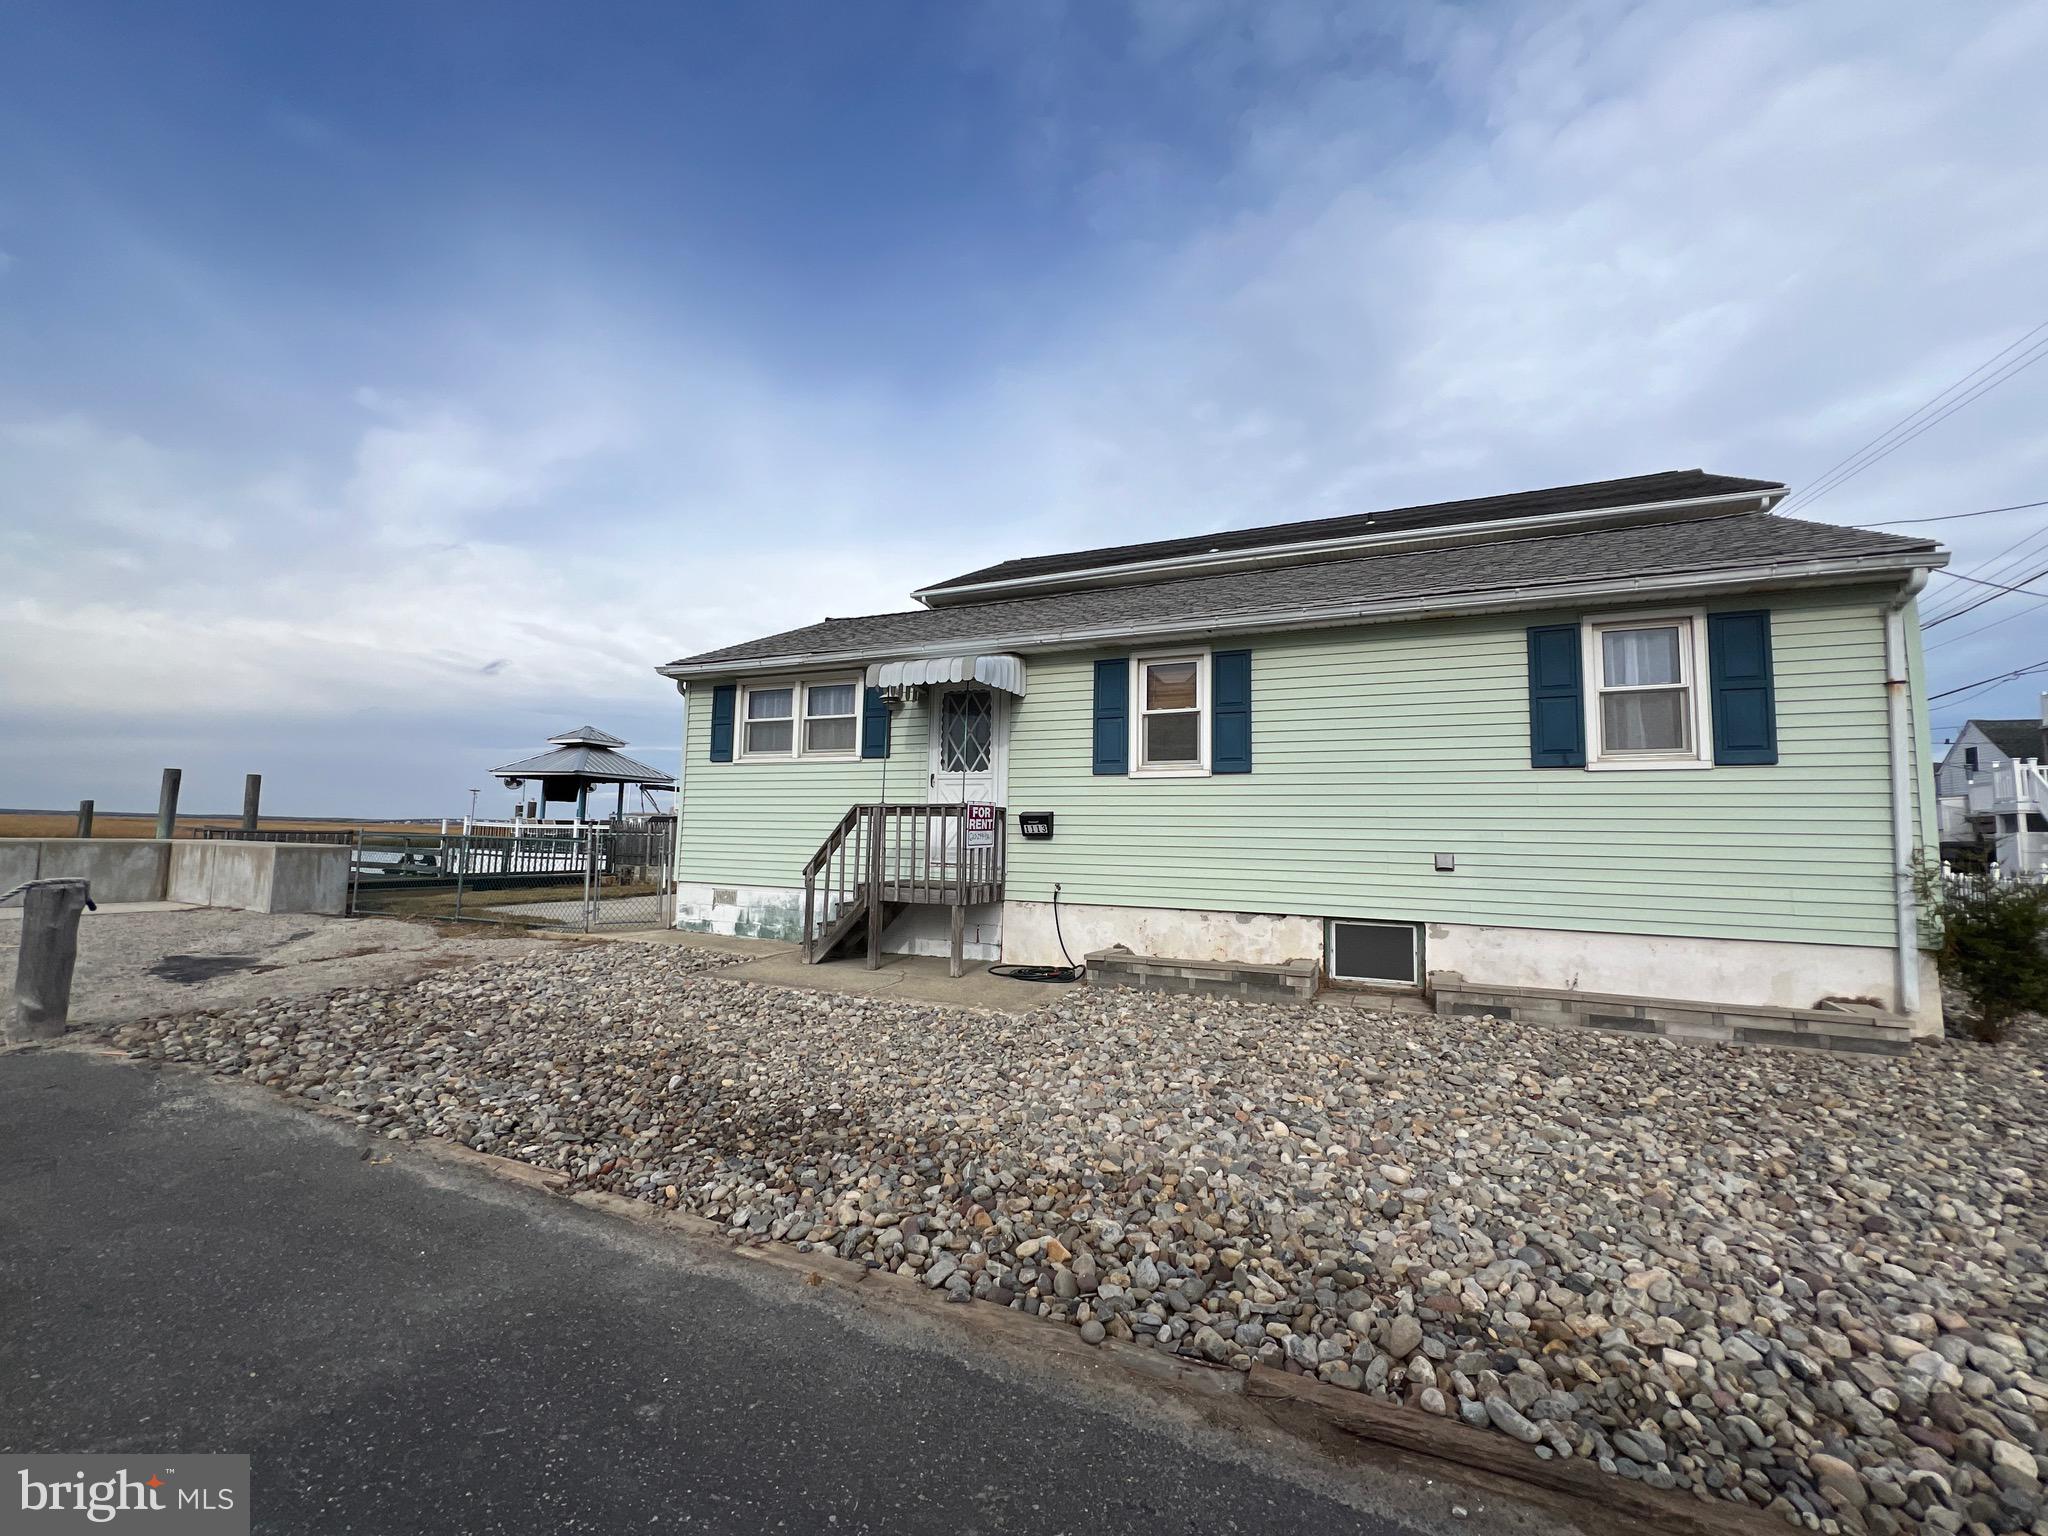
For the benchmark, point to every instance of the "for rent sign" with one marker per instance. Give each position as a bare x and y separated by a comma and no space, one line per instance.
144,1495
979,826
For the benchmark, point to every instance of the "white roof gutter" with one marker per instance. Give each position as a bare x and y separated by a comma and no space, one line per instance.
1319,549
1833,572
1898,703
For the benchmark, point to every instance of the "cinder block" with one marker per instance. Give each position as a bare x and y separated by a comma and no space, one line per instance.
1782,1037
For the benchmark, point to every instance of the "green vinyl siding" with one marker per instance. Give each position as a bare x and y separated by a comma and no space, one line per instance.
1377,747
756,823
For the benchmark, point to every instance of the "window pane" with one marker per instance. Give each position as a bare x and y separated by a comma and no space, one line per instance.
832,699
1173,738
768,704
1637,658
1170,685
1645,722
967,725
768,735
829,735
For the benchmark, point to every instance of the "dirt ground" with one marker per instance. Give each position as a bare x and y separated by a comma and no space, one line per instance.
132,965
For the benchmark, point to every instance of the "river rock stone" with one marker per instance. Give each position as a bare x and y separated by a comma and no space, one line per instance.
1813,1282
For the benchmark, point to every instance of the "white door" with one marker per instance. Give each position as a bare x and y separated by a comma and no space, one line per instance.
967,766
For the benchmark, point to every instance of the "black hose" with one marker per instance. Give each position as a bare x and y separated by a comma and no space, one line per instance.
1067,972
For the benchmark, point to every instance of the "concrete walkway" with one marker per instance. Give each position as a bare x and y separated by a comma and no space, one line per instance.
141,958
907,978
409,1348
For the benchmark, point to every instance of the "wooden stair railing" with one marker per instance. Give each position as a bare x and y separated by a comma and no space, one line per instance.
880,859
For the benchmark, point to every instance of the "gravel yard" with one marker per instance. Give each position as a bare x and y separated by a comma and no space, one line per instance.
1811,1282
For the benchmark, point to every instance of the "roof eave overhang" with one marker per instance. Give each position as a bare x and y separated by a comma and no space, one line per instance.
950,595
653,778
1764,576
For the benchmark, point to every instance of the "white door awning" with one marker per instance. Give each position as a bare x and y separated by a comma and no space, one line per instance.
1004,672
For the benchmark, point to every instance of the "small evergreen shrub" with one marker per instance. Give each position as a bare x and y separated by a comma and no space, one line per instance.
1993,944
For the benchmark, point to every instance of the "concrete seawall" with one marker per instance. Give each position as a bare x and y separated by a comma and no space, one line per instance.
253,877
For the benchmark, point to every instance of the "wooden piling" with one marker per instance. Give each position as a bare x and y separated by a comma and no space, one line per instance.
85,818
167,805
252,795
50,910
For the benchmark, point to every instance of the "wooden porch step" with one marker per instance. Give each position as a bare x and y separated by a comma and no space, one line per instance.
881,858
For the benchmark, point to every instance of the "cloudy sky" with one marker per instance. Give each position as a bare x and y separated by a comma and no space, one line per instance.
383,387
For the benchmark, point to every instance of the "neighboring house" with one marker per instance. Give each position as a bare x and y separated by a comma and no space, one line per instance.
1631,737
1990,801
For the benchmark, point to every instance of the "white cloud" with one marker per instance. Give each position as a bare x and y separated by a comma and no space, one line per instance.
1455,253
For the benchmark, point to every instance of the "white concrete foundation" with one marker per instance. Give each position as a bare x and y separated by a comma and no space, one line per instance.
1732,972
745,911
928,931
777,912
1171,933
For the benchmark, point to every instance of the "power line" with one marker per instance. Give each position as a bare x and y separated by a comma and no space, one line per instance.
1979,629
2001,591
2001,568
2001,563
1828,480
2005,559
2026,362
1985,682
2005,555
1890,440
1952,517
1979,580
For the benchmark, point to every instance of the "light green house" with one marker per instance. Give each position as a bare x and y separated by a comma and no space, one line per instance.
1606,746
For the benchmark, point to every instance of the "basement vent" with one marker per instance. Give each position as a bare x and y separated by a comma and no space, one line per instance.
1389,953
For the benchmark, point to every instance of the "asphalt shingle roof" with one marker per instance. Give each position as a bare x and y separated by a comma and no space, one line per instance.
1702,545
2015,738
1592,496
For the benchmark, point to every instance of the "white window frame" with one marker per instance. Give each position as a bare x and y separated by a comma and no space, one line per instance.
1692,666
799,691
1198,769
804,717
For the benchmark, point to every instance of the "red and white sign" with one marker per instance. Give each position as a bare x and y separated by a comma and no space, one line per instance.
978,823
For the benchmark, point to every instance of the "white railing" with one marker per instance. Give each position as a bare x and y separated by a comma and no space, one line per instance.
2025,782
2019,798
529,826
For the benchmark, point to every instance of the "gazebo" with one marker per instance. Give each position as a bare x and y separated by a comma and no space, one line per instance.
582,758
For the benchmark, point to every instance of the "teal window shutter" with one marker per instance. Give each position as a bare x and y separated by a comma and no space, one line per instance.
1230,712
1113,716
874,724
1557,713
1744,695
723,698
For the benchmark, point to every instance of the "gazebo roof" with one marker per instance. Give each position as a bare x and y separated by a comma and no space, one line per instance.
585,736
597,765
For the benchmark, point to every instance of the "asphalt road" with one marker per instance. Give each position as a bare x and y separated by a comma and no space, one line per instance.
402,1347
